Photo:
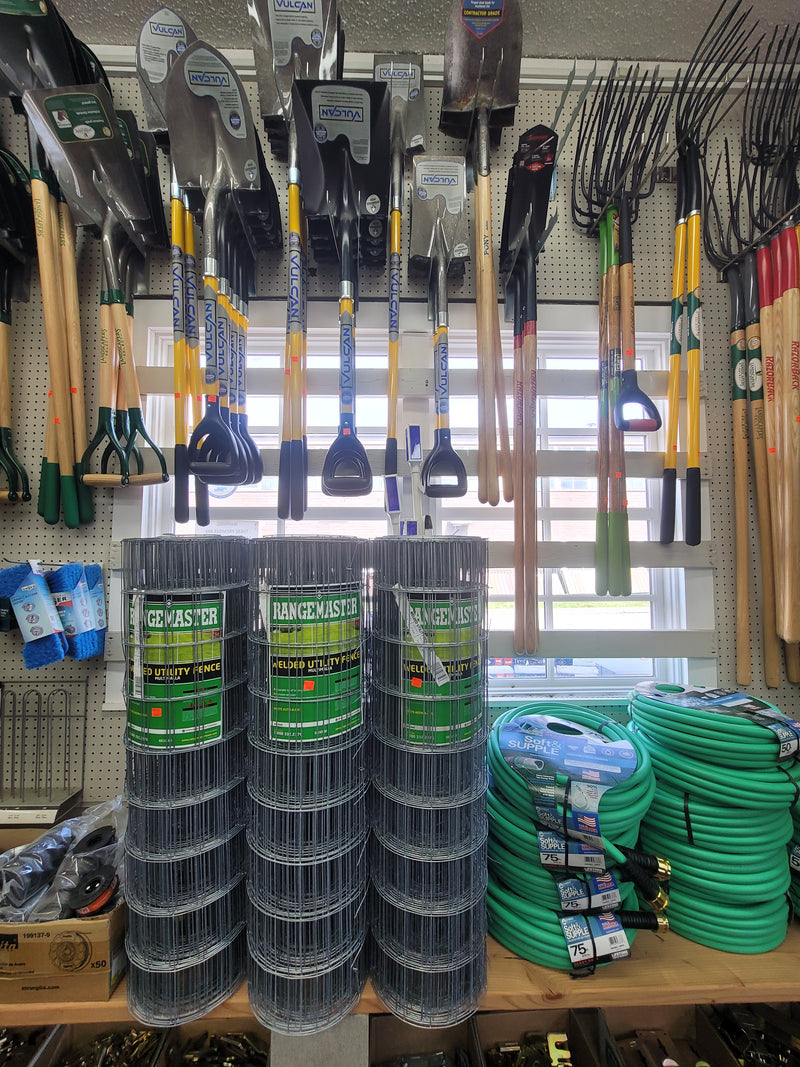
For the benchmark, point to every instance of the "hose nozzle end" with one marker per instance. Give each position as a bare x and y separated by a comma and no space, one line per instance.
659,901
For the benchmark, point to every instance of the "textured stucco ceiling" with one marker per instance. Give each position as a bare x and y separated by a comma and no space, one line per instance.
560,28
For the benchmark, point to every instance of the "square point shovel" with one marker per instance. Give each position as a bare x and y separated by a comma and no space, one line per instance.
483,51
343,147
437,233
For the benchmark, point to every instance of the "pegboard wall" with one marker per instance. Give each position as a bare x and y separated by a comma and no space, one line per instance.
567,273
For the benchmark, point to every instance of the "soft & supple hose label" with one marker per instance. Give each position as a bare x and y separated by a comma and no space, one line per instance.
733,703
556,853
794,857
595,893
314,661
594,939
175,669
441,667
567,768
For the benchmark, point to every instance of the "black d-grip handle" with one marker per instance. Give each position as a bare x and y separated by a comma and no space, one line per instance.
346,470
443,473
630,395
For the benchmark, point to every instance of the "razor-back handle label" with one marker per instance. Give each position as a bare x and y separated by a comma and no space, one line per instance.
207,75
291,20
339,109
163,34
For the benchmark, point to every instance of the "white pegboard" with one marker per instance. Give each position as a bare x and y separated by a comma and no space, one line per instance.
567,273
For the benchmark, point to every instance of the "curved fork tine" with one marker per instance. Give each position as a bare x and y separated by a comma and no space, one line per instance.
718,254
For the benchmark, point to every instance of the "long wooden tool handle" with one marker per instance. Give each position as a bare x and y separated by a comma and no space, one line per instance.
791,327
66,233
5,378
124,344
56,347
486,310
741,505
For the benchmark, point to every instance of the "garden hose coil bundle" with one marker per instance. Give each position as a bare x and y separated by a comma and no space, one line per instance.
185,603
307,784
728,779
428,771
569,788
794,861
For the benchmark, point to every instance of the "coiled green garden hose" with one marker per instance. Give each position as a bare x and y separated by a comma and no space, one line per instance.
721,811
621,808
535,933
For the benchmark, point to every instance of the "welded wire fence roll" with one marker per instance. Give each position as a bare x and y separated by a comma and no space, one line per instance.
180,935
428,684
185,620
301,779
428,998
306,946
305,1004
427,886
172,994
428,639
156,776
307,780
306,890
305,638
191,877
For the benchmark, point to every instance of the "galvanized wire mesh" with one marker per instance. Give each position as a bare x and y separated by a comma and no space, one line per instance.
185,603
307,917
427,698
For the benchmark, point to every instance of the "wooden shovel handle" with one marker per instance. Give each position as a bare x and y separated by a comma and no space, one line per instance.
5,380
485,309
53,323
69,274
529,353
124,345
741,497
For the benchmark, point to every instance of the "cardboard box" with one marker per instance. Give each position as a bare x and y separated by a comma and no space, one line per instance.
70,959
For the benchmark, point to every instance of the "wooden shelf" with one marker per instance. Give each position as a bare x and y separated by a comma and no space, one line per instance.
662,971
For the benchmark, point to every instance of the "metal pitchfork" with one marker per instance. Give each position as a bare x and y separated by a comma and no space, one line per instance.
621,135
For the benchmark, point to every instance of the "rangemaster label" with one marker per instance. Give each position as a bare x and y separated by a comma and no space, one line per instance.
291,20
314,662
337,110
162,34
175,669
208,75
442,660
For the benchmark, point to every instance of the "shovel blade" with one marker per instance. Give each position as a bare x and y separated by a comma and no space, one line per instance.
483,52
292,39
438,207
162,38
80,132
403,73
211,128
35,52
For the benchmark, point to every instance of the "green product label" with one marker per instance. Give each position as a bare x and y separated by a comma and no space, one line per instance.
175,671
441,670
314,662
79,117
23,7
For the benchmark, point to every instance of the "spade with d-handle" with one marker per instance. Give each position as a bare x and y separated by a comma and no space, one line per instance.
343,148
437,229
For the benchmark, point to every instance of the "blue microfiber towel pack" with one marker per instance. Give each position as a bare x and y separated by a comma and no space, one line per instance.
94,580
36,614
71,595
